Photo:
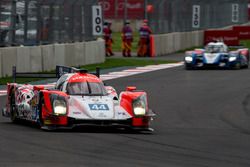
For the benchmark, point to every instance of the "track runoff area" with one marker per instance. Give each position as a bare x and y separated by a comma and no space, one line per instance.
127,72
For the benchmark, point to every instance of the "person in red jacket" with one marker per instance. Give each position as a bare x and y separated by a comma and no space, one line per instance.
144,41
127,39
107,35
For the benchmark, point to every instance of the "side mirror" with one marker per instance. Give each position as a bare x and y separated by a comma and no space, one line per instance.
131,88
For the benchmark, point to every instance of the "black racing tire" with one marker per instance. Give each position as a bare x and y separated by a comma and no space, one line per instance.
246,66
40,119
237,66
188,67
13,109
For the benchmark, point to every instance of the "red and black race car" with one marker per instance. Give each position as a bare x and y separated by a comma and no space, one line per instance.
78,98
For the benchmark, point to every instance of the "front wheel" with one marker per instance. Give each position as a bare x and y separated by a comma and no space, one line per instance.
188,67
40,118
237,66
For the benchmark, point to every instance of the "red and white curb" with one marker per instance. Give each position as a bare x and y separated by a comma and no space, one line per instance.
3,92
125,73
138,70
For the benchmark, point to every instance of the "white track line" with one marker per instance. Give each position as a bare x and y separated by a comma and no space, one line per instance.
124,73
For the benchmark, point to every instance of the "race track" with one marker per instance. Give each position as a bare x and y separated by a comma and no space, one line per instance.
203,120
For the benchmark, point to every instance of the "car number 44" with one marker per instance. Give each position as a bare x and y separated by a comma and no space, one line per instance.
98,107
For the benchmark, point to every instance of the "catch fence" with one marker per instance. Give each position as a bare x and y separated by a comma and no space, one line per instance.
33,22
190,15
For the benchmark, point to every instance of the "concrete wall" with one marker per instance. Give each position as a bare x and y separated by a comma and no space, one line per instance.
9,58
46,57
173,42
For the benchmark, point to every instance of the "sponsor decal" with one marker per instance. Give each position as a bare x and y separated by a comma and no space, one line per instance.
78,78
116,9
97,107
243,32
229,37
76,112
121,113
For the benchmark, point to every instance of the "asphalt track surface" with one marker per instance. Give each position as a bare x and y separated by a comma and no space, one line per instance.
203,119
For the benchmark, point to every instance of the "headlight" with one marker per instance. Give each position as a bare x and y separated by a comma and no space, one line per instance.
59,104
232,58
60,107
188,59
140,106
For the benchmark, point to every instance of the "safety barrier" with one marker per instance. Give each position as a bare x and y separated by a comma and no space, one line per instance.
46,57
173,42
176,41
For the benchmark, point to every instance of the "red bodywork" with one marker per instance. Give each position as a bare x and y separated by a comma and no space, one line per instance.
41,98
127,98
244,52
47,112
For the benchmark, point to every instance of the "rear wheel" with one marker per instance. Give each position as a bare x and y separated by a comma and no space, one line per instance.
13,109
247,64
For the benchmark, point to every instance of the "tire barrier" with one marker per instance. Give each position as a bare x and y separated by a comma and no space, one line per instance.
46,57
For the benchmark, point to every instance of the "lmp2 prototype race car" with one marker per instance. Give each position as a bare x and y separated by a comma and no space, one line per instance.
78,98
216,54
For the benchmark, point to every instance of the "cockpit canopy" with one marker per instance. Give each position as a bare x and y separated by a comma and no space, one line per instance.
218,47
81,84
86,88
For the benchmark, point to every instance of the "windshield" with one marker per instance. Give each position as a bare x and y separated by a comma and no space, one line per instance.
86,88
214,49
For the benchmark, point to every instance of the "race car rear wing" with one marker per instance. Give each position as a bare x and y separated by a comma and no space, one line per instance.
60,70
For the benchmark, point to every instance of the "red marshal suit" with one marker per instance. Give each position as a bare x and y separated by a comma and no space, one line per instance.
127,39
144,41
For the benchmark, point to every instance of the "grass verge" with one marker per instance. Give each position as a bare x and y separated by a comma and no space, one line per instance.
109,63
245,43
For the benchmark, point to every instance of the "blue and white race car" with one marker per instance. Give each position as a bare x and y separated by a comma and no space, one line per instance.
216,54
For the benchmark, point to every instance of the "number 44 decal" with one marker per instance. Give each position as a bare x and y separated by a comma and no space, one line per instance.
98,107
